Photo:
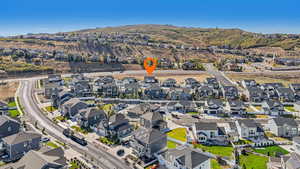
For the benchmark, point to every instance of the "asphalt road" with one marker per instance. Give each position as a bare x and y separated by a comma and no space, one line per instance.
218,74
101,158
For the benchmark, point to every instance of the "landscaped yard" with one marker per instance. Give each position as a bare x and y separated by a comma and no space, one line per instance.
252,161
178,134
290,108
272,150
79,129
51,144
224,151
106,141
242,142
193,113
261,116
13,113
50,108
12,104
171,145
214,164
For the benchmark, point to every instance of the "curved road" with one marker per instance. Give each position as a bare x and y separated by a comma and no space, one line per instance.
28,101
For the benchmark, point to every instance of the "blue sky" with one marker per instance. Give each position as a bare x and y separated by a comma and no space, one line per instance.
34,16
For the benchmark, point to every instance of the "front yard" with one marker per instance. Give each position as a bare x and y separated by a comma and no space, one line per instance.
50,108
178,134
272,150
290,108
252,161
79,129
13,113
171,145
51,144
224,151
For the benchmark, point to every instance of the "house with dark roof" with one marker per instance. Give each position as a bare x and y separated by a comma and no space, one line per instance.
230,92
8,126
205,92
255,94
210,133
181,106
104,80
184,158
283,127
295,87
3,107
191,83
148,141
72,107
150,80
246,83
107,90
154,92
119,126
138,110
18,144
91,117
180,94
248,128
285,94
51,90
82,88
236,107
214,106
54,78
153,120
212,82
273,107
170,82
130,90
42,159
62,96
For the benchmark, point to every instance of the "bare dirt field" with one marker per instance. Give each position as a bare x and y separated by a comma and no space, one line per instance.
286,78
8,90
179,78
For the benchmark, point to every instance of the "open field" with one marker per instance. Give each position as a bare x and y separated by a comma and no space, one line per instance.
272,77
8,90
180,78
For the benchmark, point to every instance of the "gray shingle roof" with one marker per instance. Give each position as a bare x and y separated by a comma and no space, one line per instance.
152,116
188,157
206,126
21,137
146,135
4,119
280,121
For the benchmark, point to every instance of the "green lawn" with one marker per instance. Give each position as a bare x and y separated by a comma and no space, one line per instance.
79,129
290,108
50,108
13,113
214,164
12,104
51,144
178,134
193,113
242,142
272,150
74,165
224,151
252,161
171,145
106,141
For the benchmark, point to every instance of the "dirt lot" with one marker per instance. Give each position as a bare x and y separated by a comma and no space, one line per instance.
8,90
286,78
180,78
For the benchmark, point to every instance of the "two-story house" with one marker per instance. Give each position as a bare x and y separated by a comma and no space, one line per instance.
72,107
283,127
91,117
230,92
273,107
248,128
8,126
153,120
214,106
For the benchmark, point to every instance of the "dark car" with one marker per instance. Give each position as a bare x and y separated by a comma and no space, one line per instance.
120,152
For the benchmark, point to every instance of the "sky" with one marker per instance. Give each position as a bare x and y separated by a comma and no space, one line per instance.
40,16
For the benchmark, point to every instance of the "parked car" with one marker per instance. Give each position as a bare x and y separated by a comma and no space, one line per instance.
45,139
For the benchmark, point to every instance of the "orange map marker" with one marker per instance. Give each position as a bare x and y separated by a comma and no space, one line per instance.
151,68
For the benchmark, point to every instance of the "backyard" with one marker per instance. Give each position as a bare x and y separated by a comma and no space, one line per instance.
290,108
272,150
13,113
171,145
252,161
224,151
178,134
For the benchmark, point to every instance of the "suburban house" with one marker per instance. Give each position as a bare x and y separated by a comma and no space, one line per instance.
212,83
130,90
8,126
170,82
3,107
42,159
18,144
255,94
191,83
285,94
210,133
150,80
205,92
91,117
236,107
180,94
51,90
54,78
248,83
184,158
103,80
129,80
230,92
283,127
295,87
248,128
148,141
153,120
138,110
214,106
273,107
154,92
181,106
72,107
107,90
82,88
118,126
61,98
